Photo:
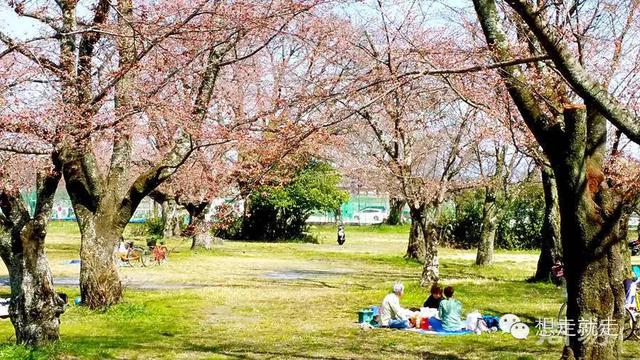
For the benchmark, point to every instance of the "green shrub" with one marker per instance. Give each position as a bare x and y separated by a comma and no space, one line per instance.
521,224
519,228
154,226
280,212
467,221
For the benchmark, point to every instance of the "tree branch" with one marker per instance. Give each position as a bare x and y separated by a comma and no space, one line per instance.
24,151
514,79
15,46
105,90
46,186
47,20
582,82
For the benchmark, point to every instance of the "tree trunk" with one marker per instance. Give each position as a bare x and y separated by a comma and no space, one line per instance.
100,284
416,249
575,144
431,266
590,232
594,268
155,213
202,241
491,211
551,247
395,211
624,239
198,229
176,225
490,220
169,220
35,307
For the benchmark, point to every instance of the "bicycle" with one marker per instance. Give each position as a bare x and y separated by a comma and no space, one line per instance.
159,254
135,255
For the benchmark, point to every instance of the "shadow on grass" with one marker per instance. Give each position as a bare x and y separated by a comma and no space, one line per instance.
468,270
249,354
434,356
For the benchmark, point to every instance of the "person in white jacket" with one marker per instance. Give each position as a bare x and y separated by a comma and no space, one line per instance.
393,315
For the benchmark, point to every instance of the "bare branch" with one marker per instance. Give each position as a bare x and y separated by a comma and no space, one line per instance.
15,46
574,73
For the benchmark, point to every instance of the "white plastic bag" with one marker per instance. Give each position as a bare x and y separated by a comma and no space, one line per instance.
472,320
428,312
4,308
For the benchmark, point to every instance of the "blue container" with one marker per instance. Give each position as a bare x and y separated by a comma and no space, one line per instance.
636,270
365,316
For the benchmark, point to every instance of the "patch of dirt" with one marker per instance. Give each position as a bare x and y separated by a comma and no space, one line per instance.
298,274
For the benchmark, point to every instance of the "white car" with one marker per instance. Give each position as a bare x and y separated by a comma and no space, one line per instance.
370,215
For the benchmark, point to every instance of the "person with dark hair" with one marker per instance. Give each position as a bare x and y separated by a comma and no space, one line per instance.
341,235
450,312
433,301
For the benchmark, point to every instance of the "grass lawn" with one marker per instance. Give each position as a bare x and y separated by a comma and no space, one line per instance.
290,300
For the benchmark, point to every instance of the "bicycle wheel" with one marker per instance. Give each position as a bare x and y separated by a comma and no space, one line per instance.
138,255
562,313
148,258
628,328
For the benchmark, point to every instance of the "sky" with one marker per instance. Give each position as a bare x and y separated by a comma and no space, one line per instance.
15,27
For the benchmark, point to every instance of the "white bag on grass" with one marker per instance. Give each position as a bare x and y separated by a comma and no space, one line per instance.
472,320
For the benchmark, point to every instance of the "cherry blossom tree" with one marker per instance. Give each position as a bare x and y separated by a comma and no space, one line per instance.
279,103
431,166
500,167
26,163
35,307
125,69
571,128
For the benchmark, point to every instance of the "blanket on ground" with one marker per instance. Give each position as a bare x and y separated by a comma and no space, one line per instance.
435,328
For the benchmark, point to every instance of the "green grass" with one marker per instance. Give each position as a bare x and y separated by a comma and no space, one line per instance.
236,301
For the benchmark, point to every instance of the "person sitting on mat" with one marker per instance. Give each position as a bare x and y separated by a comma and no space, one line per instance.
433,301
450,312
392,315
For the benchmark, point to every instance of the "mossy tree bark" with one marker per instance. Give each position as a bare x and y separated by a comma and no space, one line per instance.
431,266
490,220
624,235
492,211
590,213
624,239
35,307
168,213
431,234
169,218
198,225
416,249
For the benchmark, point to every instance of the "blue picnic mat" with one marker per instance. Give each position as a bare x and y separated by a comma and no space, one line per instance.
440,333
435,326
